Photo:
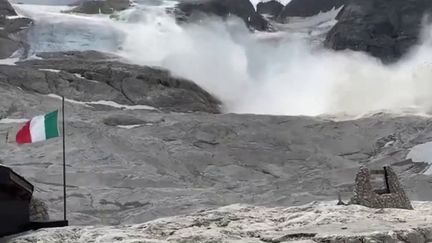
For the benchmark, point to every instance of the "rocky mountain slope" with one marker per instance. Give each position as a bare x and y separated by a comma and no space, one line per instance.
373,26
144,144
128,164
92,76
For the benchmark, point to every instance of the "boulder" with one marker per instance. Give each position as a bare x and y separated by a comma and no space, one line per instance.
271,8
38,211
306,8
384,29
104,7
224,8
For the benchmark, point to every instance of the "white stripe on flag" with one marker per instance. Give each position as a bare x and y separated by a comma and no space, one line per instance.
37,129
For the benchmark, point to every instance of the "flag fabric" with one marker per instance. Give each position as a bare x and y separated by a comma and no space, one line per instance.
40,128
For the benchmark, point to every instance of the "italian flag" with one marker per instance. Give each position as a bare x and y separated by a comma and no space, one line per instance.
40,128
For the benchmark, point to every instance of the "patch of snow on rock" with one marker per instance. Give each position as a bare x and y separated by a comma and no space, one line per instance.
9,61
119,106
422,153
50,70
129,126
105,102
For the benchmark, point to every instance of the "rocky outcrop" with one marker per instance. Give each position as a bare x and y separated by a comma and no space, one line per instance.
271,8
393,196
306,8
6,8
384,29
38,210
414,235
314,222
223,8
103,7
11,30
92,76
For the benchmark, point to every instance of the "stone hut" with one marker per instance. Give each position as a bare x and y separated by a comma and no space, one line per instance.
391,196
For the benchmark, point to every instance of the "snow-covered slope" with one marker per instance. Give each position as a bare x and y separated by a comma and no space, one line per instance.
249,224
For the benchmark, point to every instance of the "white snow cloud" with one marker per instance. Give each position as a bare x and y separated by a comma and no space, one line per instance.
284,75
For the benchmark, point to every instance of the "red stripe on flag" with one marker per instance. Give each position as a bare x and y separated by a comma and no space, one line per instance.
23,135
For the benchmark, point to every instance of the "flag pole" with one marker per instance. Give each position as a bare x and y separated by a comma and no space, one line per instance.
64,159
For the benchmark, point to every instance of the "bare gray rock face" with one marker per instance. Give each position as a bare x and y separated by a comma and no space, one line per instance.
384,29
6,8
393,196
223,8
12,30
174,163
93,76
271,8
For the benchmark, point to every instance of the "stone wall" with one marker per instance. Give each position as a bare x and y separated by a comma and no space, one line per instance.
365,195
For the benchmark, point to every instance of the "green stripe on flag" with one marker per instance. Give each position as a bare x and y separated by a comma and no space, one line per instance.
51,127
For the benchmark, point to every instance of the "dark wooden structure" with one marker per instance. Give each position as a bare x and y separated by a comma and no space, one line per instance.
15,196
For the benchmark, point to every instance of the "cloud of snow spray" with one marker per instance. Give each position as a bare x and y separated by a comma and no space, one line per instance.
287,77
290,77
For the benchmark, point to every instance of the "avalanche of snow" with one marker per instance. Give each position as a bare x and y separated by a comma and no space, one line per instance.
106,103
282,73
422,153
244,223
